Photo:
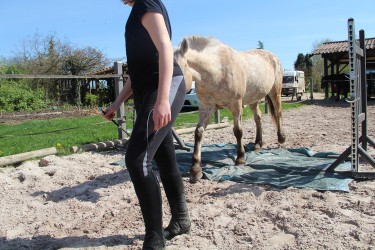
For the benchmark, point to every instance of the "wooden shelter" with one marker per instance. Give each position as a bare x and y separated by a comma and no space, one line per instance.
95,85
336,59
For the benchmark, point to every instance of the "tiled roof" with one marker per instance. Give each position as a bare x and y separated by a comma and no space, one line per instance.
341,46
105,71
109,70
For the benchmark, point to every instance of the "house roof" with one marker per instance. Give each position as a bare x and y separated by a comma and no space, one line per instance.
110,70
105,71
341,46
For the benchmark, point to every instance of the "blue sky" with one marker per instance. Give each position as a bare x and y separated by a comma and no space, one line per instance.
285,27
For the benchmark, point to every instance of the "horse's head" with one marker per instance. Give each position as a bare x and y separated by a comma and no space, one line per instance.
180,55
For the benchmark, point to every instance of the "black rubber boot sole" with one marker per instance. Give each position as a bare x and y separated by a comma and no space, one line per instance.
171,233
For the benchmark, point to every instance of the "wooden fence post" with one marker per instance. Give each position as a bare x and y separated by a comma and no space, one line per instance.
217,116
311,90
119,84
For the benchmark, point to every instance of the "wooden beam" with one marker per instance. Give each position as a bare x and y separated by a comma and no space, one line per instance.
12,159
97,146
210,126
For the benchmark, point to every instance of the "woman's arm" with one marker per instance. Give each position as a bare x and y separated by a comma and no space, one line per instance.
155,25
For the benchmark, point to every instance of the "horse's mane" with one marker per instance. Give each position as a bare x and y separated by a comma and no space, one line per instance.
199,43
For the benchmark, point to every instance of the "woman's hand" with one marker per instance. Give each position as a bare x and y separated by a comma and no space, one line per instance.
109,112
161,114
125,93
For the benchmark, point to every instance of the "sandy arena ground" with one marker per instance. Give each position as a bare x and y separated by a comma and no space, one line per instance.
81,201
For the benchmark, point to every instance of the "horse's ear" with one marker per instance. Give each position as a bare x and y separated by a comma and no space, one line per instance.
184,46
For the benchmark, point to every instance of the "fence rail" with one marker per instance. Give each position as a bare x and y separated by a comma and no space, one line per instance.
20,76
118,77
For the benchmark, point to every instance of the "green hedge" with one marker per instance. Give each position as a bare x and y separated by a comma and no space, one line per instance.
17,96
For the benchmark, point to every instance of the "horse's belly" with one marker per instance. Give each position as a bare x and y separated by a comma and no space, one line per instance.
256,92
217,98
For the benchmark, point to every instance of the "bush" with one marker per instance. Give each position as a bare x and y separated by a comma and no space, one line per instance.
16,96
91,100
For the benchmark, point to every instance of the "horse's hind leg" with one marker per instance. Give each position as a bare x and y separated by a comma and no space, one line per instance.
238,132
258,124
275,104
339,90
204,119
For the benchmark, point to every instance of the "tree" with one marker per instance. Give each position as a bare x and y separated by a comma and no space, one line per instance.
83,61
41,55
299,64
80,62
317,70
260,45
48,55
303,63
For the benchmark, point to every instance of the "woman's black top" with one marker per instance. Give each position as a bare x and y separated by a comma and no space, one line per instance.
142,55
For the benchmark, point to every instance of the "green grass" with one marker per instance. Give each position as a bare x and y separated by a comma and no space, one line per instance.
60,133
65,133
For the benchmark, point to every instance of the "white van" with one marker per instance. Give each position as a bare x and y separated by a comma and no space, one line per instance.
293,84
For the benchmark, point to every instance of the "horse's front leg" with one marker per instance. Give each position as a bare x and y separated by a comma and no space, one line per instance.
258,124
204,118
238,133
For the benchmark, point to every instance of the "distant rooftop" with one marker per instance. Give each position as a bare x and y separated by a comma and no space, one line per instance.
341,46
110,70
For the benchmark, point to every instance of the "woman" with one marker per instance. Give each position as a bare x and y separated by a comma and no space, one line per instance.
158,88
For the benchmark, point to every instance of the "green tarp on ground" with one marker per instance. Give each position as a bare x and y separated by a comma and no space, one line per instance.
301,168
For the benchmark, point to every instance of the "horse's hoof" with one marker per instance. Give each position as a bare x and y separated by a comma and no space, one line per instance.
281,138
196,172
240,161
258,146
195,177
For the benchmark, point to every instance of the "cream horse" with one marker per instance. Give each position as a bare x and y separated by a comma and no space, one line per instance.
228,78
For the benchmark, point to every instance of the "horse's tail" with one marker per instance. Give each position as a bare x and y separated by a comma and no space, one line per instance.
276,90
276,116
271,107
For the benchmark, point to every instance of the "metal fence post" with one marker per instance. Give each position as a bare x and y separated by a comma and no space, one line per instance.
119,84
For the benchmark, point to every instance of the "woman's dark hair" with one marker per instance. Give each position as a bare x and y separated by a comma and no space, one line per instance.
131,1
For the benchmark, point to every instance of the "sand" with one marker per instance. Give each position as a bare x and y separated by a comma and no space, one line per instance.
81,201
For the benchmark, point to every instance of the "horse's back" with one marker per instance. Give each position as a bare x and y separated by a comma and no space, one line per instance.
223,75
264,73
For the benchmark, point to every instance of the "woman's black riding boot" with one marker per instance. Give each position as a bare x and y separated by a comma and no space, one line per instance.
149,196
180,221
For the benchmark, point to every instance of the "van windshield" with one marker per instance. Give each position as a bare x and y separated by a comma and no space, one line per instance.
288,79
